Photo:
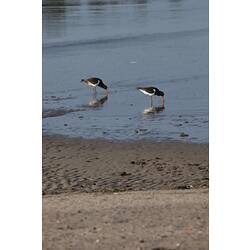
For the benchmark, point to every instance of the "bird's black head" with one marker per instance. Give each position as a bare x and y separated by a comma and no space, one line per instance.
102,85
158,92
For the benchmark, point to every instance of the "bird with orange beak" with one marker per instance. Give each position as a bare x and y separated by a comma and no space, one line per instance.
151,91
95,82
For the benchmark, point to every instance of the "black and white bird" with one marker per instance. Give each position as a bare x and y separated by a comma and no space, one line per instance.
151,91
95,82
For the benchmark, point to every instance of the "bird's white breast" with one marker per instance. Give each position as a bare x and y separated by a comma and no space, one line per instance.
146,93
93,84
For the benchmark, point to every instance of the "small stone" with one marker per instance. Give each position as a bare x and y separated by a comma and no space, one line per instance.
125,173
132,162
183,134
185,187
65,124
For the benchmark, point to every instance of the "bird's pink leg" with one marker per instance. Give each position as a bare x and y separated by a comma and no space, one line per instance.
151,101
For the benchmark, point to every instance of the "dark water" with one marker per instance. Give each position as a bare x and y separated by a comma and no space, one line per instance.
127,43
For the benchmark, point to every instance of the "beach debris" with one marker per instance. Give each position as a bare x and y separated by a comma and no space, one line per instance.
182,134
141,162
141,131
185,187
124,173
193,164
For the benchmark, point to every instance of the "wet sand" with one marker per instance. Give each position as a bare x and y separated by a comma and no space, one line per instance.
76,165
100,194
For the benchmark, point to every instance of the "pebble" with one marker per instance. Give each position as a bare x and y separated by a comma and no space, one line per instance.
183,134
125,173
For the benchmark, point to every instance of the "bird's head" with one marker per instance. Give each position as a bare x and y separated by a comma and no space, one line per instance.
104,86
162,94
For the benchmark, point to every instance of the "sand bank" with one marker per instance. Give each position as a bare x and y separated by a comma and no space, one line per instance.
77,165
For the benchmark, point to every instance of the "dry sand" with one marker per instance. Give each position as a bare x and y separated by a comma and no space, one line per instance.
129,220
84,208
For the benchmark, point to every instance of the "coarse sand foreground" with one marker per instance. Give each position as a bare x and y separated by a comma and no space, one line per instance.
163,219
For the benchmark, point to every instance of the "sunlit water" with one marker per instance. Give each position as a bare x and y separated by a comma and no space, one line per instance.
127,43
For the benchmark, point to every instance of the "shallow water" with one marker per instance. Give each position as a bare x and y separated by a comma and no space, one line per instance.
127,43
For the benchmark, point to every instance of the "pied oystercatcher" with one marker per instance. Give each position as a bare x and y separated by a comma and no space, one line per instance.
151,91
95,82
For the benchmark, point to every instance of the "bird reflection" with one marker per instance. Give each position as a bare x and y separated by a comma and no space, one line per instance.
97,102
153,110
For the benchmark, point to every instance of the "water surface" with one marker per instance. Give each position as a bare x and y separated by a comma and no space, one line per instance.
127,43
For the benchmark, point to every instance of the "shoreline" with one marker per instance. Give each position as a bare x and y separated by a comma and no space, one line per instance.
147,140
75,165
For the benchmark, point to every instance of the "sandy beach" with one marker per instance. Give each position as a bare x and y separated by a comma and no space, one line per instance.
100,194
76,165
157,220
140,177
